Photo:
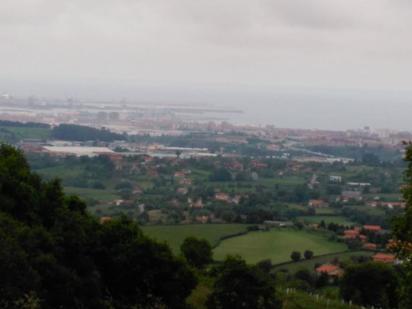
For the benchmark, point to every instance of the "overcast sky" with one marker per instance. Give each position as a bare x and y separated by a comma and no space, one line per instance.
55,45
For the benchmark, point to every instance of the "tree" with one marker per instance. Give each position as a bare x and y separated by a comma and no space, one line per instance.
295,256
322,224
402,234
322,280
305,275
371,284
308,254
265,265
197,252
370,159
52,250
221,174
136,270
72,132
241,286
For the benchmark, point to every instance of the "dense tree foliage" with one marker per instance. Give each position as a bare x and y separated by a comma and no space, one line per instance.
295,256
197,252
221,174
402,232
308,254
241,286
371,284
72,132
54,253
6,123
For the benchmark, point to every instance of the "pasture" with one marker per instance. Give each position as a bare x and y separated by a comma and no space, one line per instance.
276,245
327,219
174,235
96,194
28,132
310,264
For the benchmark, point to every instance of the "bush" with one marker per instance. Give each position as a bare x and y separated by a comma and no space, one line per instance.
197,252
308,254
295,256
241,286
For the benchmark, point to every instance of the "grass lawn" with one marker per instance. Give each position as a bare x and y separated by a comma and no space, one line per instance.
276,245
175,234
60,171
310,264
287,181
374,211
326,211
297,207
291,300
387,196
299,300
25,132
249,186
328,219
96,194
156,215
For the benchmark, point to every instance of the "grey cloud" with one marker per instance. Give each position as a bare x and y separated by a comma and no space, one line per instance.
322,43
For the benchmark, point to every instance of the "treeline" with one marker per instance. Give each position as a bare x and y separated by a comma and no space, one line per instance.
72,132
369,155
6,123
67,132
55,255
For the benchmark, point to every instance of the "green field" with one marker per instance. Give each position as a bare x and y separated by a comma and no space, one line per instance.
287,181
26,132
276,245
175,234
60,171
96,194
327,211
245,186
310,264
328,219
292,299
301,300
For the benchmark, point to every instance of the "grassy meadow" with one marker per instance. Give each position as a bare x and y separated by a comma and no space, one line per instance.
174,235
328,219
96,194
27,132
310,264
276,245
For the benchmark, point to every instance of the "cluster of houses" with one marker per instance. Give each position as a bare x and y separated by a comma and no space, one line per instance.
353,192
336,271
360,233
347,197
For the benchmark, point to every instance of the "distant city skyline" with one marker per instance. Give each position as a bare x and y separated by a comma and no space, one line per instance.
331,110
302,63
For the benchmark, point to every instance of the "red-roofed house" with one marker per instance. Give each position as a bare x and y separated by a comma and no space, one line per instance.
351,234
330,270
179,174
221,196
318,203
392,205
259,165
369,246
106,219
384,258
372,228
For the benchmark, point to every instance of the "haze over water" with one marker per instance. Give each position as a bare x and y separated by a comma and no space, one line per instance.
237,53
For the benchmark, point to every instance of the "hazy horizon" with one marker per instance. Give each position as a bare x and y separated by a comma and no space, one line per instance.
291,63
